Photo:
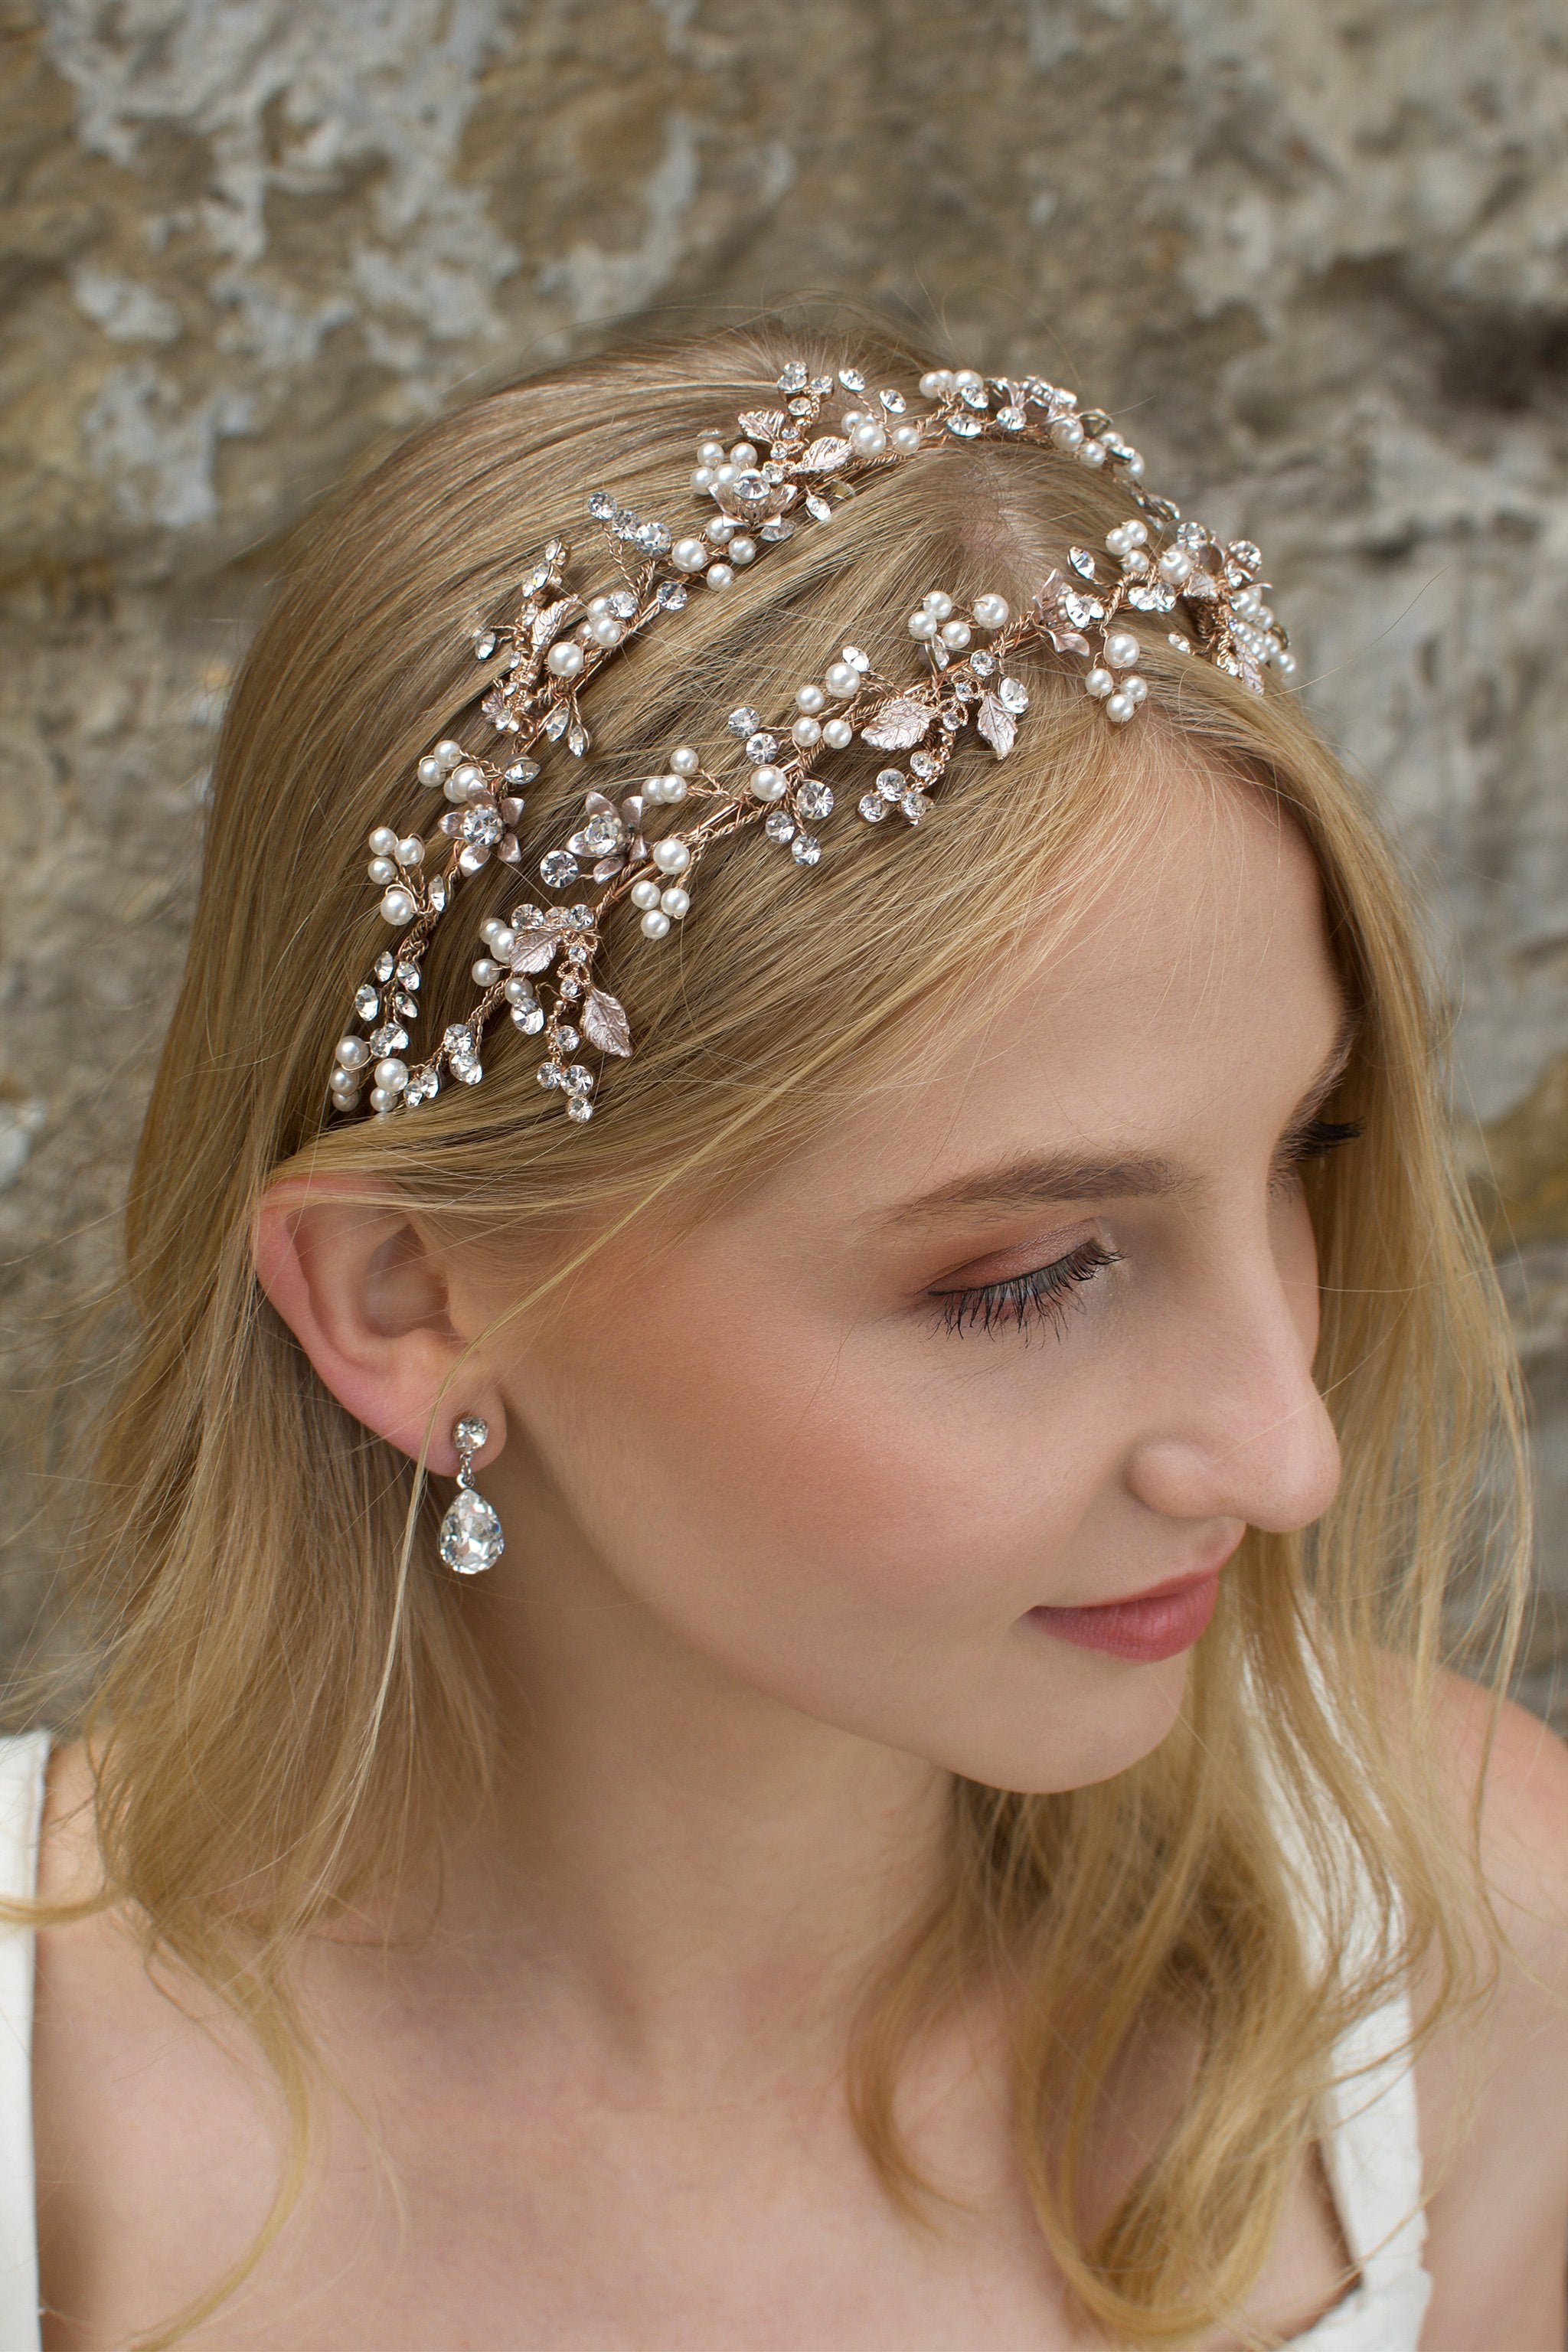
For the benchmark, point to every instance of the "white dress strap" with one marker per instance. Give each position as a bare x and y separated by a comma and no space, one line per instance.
22,1763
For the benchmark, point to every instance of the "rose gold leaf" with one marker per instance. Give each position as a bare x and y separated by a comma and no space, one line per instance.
548,624
898,723
997,725
534,949
763,425
604,1023
1069,641
496,708
823,457
597,805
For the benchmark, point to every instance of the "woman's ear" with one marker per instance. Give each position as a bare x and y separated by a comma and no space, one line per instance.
366,1294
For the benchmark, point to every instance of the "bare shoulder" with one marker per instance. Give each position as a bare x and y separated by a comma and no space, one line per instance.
1493,2081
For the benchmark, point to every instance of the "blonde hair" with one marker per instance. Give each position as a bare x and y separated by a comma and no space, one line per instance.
290,1711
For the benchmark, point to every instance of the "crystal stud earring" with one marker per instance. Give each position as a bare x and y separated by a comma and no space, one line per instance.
472,1536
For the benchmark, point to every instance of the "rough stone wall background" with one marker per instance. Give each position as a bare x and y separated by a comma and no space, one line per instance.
244,242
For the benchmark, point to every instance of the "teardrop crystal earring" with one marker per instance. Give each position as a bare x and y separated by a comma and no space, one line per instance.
472,1536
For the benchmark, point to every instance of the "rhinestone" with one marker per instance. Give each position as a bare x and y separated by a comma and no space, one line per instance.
779,826
874,808
470,1538
580,917
470,1434
522,772
1010,419
856,659
566,1038
437,893
925,765
805,849
530,1018
983,664
815,800
966,690
670,597
892,784
470,1071
526,917
601,506
484,645
571,988
623,604
578,1080
483,825
761,747
1013,695
778,527
973,395
852,380
367,1003
894,402
794,377
915,806
650,539
557,867
745,721
1082,561
384,966
577,951
952,720
965,428
822,383
602,833
577,739
549,1074
406,1007
750,486
408,976
817,507
579,1108
1246,552
800,407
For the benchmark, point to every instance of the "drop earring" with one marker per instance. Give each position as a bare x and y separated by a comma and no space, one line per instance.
472,1536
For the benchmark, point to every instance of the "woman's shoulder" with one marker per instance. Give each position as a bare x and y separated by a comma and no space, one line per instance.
1493,2079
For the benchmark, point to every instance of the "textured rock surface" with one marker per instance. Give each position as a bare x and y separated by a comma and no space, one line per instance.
245,241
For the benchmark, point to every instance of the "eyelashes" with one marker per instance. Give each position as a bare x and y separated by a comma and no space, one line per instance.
1045,1294
1049,1294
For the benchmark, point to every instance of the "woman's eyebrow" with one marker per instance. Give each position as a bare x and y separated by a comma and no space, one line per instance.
1034,1178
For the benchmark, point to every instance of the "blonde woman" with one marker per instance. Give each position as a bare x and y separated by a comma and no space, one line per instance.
784,1689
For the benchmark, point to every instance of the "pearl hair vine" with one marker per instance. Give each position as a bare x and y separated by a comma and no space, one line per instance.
538,965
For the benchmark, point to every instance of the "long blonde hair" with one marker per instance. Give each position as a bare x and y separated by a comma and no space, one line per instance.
290,1711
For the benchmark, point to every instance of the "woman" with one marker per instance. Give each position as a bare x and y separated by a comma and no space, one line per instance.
906,1796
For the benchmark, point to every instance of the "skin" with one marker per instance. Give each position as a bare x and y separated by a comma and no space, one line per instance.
774,1535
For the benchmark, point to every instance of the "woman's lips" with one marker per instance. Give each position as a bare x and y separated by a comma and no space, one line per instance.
1151,1625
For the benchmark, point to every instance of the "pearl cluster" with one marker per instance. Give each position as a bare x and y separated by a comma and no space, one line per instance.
795,462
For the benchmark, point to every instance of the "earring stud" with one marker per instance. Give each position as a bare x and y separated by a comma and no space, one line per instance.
472,1537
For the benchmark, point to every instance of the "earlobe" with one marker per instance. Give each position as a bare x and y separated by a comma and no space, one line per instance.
362,1289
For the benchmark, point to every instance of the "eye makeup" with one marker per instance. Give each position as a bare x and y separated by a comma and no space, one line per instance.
1046,1293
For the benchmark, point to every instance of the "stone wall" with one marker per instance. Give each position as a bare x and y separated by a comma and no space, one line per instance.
247,241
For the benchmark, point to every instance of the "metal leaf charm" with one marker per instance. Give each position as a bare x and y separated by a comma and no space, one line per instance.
1070,641
824,457
497,708
605,1023
548,624
898,723
764,424
534,949
997,724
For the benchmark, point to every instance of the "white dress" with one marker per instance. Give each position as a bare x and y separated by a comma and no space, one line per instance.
1369,2143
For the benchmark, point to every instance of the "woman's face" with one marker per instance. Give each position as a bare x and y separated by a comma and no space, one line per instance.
1028,1331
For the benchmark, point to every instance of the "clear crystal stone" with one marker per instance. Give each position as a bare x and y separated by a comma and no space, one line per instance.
816,507
805,849
602,833
894,402
874,808
566,1038
1181,644
406,1007
778,527
438,892
1010,419
470,1434
557,867
670,597
892,784
385,965
750,487
761,747
525,918
794,377
367,1003
651,539
1082,561
915,806
851,379
800,408
925,765
579,1080
571,989
965,428
470,1073
579,1108
577,951
408,976
745,721
530,1018
522,772
579,917
471,1537
973,396
601,506
482,826
549,1075
484,645
951,721
1013,695
779,826
388,1039
814,799
623,604
856,659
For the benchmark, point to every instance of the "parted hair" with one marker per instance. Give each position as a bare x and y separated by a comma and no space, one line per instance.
289,1713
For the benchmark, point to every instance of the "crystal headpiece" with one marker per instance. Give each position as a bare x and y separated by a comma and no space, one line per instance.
792,467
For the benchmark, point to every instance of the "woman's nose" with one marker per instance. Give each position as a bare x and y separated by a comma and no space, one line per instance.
1239,1430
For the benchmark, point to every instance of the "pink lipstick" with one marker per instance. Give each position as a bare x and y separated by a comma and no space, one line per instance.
1146,1627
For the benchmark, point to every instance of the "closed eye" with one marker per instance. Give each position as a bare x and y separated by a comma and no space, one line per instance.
1048,1294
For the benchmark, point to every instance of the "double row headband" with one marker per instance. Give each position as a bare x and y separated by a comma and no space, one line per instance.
792,467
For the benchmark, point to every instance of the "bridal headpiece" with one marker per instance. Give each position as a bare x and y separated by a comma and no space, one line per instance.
792,467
